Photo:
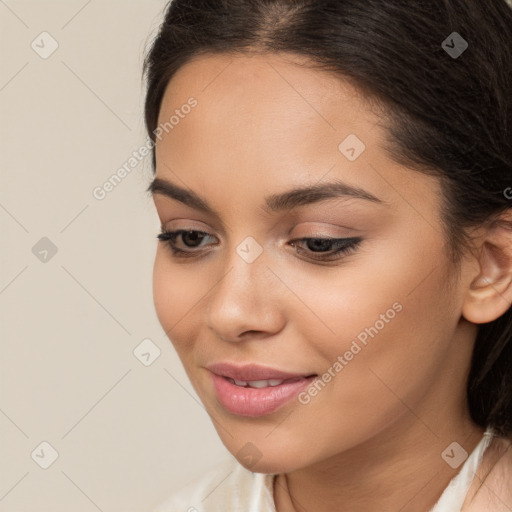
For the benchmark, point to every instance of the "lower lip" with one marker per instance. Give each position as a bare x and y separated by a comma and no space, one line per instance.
256,401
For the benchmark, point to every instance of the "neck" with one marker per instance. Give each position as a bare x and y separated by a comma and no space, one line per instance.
399,469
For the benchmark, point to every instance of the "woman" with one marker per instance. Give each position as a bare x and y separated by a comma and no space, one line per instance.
333,180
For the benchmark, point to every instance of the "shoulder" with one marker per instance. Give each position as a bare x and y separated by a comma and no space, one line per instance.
491,490
229,486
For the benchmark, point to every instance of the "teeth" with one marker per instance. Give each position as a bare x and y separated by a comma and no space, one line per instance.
257,383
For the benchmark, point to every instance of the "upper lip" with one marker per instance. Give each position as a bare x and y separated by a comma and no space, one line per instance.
251,372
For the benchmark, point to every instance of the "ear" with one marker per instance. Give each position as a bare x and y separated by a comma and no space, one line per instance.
490,293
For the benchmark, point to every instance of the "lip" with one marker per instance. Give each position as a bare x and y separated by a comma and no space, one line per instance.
252,372
254,402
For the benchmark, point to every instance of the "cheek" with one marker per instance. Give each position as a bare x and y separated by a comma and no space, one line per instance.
395,353
176,292
398,286
392,343
391,324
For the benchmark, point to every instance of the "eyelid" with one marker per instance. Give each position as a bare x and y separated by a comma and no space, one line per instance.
343,246
324,229
307,235
352,212
187,225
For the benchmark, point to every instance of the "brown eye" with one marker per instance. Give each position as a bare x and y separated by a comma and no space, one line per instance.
326,248
316,248
190,239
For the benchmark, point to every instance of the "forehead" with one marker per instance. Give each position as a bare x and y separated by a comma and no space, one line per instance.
268,109
265,84
264,123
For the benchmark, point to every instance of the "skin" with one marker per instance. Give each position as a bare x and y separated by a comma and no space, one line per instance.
264,124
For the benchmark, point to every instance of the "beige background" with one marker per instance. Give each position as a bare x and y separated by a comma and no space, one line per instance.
127,435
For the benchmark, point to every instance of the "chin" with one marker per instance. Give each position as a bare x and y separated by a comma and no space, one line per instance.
270,459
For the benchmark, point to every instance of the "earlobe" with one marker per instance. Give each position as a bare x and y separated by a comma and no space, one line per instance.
490,292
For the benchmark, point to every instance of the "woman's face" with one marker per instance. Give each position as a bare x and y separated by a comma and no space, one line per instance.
378,324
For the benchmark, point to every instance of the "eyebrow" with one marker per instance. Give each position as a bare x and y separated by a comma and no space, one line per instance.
299,196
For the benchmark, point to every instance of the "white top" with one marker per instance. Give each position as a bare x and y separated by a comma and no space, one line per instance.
232,487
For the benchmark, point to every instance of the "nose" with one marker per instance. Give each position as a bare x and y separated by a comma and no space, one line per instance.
245,301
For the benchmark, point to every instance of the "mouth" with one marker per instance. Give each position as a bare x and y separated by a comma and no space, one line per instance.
258,384
256,390
253,373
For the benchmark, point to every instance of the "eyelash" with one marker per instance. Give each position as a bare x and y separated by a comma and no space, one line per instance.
345,246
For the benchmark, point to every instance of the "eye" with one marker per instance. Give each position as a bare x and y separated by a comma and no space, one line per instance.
317,248
326,249
190,238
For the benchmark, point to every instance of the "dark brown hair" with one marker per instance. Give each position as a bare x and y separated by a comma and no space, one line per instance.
448,114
